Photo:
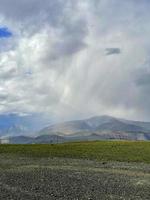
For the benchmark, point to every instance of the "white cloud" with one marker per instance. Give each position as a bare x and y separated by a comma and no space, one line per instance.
57,64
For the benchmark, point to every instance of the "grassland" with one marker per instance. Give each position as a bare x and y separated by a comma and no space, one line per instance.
122,151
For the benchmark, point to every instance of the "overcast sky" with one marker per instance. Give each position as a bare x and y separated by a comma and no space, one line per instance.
75,58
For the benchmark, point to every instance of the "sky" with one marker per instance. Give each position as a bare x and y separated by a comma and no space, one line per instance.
72,59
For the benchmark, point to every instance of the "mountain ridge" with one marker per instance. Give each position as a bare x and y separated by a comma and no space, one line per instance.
95,128
97,123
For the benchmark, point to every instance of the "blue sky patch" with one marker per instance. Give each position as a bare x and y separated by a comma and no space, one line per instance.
5,32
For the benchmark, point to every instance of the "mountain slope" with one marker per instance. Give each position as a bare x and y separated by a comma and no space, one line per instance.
104,126
16,124
67,127
13,130
95,128
116,125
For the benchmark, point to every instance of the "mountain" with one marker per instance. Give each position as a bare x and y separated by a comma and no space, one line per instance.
95,128
53,139
102,127
20,140
12,124
67,128
44,139
145,125
116,125
13,130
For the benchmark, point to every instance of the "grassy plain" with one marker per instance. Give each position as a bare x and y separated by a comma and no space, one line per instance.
122,151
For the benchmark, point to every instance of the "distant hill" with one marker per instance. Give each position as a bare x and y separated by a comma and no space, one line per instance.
95,128
15,124
13,130
102,127
20,140
44,139
67,128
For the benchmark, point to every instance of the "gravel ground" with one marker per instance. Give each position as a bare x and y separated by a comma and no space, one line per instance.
69,179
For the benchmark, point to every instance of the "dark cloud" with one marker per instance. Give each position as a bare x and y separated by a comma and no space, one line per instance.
73,38
143,80
142,75
67,48
111,51
27,9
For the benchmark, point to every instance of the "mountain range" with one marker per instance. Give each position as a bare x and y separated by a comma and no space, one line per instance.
98,125
95,128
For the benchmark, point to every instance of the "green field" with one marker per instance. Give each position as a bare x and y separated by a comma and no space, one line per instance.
123,151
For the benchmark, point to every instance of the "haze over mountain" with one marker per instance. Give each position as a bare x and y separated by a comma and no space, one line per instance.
105,126
14,124
96,128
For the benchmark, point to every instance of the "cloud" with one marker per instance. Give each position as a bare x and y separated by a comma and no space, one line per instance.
56,61
111,51
143,80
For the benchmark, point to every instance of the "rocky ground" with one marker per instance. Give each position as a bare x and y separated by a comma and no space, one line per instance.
24,178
